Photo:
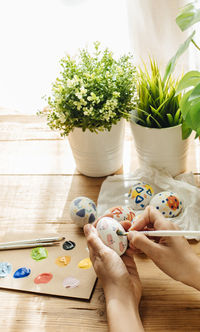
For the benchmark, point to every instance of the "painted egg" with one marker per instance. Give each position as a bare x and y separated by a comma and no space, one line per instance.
83,211
106,228
140,195
168,203
121,213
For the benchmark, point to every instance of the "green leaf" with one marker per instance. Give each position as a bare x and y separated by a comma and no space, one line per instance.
170,119
177,116
149,121
192,78
189,15
172,62
184,105
195,96
186,131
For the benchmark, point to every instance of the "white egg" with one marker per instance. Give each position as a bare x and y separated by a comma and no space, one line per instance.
106,228
168,203
121,213
83,211
140,195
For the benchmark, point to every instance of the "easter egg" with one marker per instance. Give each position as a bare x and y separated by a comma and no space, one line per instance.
168,203
83,211
140,195
106,228
121,213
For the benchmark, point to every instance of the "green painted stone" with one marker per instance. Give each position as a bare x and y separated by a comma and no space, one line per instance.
39,253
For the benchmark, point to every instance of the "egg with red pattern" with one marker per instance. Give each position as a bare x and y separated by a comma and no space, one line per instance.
106,228
121,213
168,203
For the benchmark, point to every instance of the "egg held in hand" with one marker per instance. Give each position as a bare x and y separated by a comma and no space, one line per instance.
106,228
168,203
83,211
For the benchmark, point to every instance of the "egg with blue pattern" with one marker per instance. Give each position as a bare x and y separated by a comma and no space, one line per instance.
168,203
140,195
83,211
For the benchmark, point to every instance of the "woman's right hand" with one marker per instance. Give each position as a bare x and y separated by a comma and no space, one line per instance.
173,255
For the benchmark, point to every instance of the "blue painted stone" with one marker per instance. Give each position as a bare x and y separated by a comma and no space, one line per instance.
22,272
5,269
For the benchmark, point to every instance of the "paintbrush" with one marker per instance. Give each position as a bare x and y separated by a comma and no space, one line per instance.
163,233
22,244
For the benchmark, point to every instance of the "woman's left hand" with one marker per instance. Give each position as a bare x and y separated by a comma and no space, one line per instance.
115,272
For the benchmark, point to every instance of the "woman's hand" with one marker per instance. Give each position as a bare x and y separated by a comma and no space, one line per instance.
120,282
173,255
111,269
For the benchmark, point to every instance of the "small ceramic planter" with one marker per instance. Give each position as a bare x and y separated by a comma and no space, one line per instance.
98,154
161,148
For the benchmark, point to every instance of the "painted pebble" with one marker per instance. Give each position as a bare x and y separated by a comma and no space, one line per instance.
168,203
83,211
140,195
106,228
121,213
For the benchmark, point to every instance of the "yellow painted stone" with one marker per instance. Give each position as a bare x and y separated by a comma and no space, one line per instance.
85,263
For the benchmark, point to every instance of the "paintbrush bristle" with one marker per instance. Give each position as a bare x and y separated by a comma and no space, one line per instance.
120,233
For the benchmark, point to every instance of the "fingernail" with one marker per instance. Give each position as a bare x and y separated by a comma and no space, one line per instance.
87,229
131,235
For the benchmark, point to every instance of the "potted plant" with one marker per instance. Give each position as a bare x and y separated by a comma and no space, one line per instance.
157,122
89,103
189,85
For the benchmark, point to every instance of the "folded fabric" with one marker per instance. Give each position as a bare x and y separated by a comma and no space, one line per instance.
114,191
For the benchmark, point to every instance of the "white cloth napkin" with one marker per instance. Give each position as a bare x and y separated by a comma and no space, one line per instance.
114,191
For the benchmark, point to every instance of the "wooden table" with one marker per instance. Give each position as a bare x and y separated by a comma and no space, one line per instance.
38,180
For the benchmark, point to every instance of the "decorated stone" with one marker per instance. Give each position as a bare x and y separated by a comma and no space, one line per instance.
83,211
121,213
106,228
168,203
140,195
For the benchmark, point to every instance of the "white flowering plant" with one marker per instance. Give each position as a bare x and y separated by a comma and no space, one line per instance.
94,91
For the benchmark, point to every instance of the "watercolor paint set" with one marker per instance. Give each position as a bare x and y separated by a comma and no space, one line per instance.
63,269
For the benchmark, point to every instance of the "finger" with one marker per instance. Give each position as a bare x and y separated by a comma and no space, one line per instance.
126,224
93,240
129,252
152,216
140,241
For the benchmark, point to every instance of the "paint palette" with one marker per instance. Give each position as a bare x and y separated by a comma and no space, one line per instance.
62,270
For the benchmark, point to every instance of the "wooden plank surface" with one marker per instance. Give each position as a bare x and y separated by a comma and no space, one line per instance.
38,181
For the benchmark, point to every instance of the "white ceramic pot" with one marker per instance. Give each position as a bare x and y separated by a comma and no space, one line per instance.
98,154
161,148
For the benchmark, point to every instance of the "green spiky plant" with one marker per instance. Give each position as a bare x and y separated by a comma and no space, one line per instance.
157,105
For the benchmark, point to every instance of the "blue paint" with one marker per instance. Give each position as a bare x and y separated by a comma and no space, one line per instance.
81,213
22,272
5,269
91,218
